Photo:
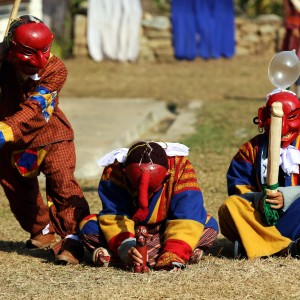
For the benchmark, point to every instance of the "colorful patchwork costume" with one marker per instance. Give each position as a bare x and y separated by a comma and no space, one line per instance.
175,216
35,136
241,217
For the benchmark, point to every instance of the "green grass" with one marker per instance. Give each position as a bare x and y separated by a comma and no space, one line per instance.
222,127
224,124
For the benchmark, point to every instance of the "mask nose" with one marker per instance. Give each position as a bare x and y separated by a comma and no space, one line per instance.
39,60
142,211
285,126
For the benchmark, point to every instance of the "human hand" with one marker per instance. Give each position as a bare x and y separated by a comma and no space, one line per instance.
170,262
134,257
275,199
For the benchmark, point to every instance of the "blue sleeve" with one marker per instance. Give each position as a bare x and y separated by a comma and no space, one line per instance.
239,173
188,205
115,200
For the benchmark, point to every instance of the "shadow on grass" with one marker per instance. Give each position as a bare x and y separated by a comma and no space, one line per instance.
20,248
222,248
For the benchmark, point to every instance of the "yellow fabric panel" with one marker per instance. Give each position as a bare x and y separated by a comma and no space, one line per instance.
258,239
242,189
7,132
112,225
188,231
153,218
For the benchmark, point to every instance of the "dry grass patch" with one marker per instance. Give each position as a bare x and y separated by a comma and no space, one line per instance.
33,275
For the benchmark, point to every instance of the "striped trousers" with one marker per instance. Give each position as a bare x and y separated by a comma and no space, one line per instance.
96,239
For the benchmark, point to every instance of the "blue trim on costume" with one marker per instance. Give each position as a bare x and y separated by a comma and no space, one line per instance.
90,227
47,108
152,203
188,205
212,223
115,200
27,160
2,139
289,223
239,173
41,100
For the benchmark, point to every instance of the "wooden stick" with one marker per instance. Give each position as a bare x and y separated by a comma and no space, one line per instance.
274,145
13,14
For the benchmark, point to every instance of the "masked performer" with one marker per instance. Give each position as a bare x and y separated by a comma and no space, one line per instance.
241,217
154,184
35,136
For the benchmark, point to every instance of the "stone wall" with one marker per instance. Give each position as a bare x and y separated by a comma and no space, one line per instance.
253,36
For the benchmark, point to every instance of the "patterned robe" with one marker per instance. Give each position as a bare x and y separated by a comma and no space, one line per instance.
177,208
239,216
36,136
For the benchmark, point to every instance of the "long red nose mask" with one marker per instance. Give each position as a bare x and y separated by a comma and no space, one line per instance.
146,178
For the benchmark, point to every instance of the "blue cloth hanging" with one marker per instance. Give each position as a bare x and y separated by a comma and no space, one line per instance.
204,15
224,28
203,28
184,29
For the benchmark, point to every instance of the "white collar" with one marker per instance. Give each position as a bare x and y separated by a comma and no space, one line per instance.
289,161
35,77
172,149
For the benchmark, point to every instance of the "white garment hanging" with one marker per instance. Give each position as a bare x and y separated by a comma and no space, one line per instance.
114,29
94,25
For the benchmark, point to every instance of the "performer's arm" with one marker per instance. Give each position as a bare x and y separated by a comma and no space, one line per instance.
35,112
186,218
115,217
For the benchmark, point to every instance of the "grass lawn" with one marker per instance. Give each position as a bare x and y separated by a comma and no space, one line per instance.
231,91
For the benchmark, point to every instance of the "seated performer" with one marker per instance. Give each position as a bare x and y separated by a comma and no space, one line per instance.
242,217
153,184
36,137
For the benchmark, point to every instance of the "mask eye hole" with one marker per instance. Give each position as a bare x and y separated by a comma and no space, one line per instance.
25,50
47,48
292,117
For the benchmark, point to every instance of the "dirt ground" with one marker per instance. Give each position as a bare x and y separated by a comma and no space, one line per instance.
242,78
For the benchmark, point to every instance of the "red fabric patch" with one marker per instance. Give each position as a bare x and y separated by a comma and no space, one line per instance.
180,248
26,161
116,241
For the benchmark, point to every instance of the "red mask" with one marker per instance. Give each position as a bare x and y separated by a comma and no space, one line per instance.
29,49
291,117
146,178
134,172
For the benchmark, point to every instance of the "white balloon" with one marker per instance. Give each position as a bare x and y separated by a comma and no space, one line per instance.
284,69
